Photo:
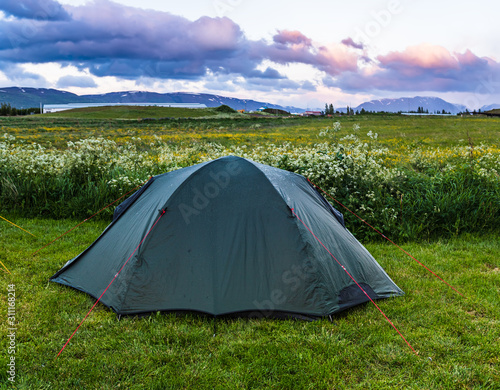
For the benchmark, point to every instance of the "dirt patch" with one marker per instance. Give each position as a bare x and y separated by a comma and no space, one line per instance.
493,268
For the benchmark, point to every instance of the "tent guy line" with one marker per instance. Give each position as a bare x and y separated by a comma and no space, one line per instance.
12,223
110,283
354,280
24,230
388,239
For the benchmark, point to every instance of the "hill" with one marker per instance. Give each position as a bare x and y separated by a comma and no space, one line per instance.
133,112
495,112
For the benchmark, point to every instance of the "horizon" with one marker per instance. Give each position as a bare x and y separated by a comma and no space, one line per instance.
242,98
344,54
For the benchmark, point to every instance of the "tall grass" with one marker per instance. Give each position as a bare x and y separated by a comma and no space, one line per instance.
410,191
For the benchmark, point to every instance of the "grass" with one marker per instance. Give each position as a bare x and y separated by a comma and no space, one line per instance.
394,131
457,338
132,112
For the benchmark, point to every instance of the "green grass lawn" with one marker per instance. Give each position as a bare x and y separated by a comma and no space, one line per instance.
132,112
457,339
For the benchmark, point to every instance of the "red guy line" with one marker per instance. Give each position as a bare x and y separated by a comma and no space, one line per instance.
73,228
388,239
110,283
354,280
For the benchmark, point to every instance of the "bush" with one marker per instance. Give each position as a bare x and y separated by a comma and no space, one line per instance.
225,109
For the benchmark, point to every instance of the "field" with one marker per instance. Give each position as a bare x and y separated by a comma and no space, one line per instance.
432,184
133,112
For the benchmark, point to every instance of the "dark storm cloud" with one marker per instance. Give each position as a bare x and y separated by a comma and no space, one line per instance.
111,39
34,9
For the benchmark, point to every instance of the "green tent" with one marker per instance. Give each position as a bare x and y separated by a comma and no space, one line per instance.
228,236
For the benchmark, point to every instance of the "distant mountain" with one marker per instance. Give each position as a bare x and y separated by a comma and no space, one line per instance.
32,97
490,107
184,97
433,104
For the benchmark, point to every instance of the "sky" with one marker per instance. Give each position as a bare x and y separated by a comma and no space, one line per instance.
303,54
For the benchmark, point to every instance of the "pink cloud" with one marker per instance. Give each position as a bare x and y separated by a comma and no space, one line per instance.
424,56
335,59
285,37
469,58
424,68
294,47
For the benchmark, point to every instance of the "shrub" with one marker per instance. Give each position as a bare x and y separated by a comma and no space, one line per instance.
225,109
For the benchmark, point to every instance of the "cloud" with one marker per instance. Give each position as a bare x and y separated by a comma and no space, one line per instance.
110,39
425,67
263,84
34,9
308,86
293,47
424,56
349,42
272,85
285,37
76,81
105,38
269,73
17,75
225,86
115,40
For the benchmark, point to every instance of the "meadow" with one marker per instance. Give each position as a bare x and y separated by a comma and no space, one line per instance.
430,183
418,177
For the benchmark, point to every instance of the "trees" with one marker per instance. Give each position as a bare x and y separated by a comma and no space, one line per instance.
7,110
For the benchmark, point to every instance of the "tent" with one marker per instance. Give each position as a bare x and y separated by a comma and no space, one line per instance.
228,237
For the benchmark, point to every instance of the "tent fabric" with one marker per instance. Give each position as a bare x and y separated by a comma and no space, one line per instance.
228,243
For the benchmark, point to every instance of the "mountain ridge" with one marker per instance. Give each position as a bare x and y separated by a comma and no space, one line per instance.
24,97
409,104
